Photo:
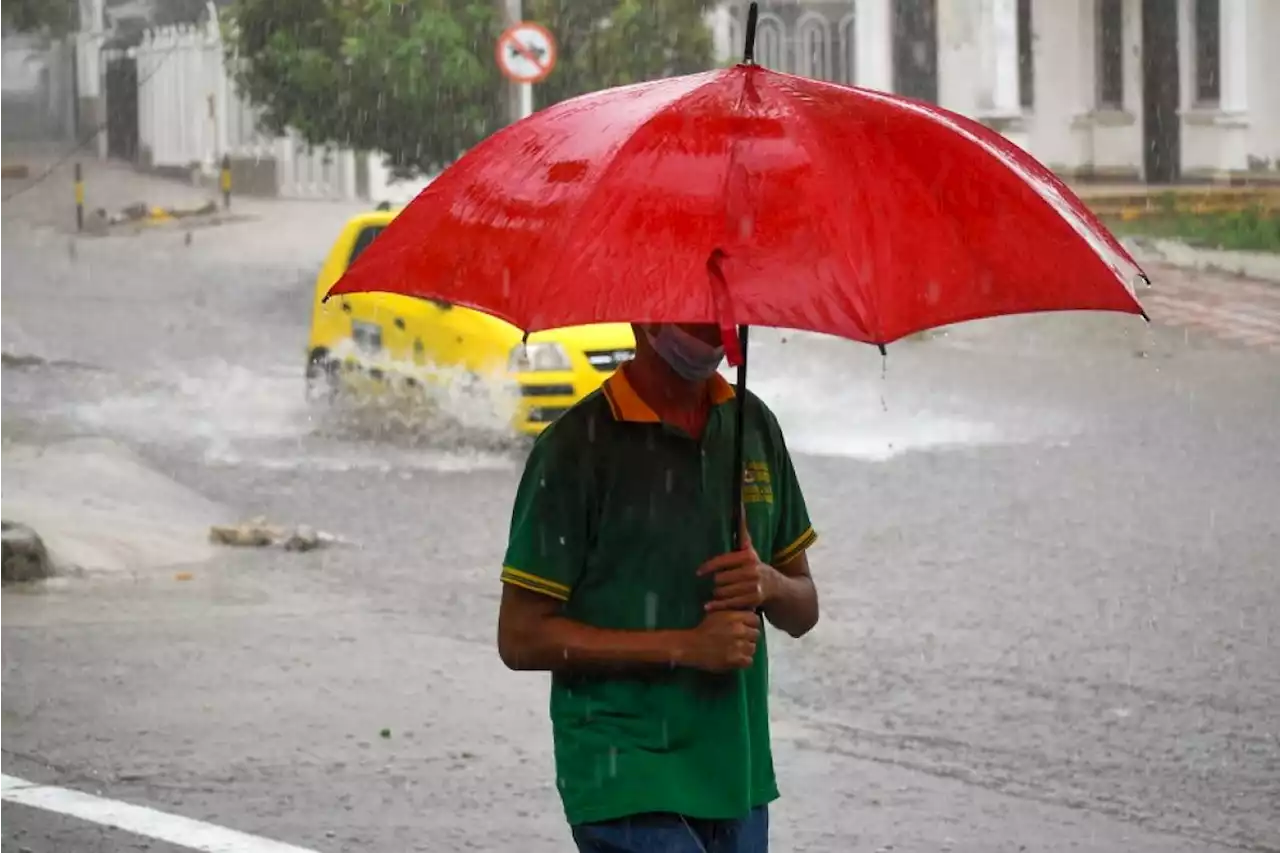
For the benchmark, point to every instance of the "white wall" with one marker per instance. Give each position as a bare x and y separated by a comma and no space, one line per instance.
1066,128
874,39
1068,131
182,97
1245,124
25,61
1117,134
978,58
1056,131
718,22
1264,81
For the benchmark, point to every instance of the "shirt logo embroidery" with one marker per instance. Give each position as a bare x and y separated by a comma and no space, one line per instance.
757,486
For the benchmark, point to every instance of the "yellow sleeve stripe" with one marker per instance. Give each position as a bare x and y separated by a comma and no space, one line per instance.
793,550
533,583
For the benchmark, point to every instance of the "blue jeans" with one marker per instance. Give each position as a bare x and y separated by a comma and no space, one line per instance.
672,833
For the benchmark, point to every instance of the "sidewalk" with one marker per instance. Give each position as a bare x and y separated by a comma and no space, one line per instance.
1262,266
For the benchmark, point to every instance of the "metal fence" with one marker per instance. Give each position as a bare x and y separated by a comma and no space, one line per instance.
181,94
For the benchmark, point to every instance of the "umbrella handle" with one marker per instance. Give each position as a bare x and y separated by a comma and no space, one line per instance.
739,403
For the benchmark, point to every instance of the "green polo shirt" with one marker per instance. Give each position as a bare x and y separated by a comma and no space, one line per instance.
614,514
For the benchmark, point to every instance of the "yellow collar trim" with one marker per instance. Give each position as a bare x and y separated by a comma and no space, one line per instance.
626,404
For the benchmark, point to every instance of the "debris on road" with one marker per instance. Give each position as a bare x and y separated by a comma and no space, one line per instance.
303,538
141,211
258,533
139,216
25,557
250,534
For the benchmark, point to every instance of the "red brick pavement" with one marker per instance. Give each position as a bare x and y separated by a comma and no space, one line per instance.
1239,310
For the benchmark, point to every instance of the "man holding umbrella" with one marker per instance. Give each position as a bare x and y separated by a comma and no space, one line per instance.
621,579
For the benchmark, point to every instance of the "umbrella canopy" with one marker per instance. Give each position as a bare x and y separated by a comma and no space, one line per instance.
747,196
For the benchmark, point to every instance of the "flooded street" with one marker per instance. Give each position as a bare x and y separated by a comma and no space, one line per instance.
1048,564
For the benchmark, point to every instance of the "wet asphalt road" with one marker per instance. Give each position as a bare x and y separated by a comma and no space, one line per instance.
1049,566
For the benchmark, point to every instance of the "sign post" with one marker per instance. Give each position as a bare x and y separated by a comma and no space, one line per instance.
526,53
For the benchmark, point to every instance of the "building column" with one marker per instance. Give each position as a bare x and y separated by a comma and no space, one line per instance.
720,23
996,37
1233,26
1085,90
1233,102
998,49
874,37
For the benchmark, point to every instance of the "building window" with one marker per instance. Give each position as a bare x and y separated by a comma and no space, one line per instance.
1026,56
771,43
847,39
1208,42
813,47
1109,40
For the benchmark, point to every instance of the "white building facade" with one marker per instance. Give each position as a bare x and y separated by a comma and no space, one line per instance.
1161,91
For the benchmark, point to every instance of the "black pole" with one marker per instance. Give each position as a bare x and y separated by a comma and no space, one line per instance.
224,181
79,181
749,50
739,421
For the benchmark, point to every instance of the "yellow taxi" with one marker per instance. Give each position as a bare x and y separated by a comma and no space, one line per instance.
369,341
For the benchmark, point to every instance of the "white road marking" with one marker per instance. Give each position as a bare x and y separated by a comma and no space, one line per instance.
149,823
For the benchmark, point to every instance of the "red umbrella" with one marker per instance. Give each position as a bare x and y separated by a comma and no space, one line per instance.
745,196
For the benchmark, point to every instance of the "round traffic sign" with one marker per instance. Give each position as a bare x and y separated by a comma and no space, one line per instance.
526,52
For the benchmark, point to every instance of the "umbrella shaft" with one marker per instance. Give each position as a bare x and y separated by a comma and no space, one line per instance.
740,405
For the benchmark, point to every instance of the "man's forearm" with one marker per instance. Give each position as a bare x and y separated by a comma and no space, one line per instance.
560,644
794,605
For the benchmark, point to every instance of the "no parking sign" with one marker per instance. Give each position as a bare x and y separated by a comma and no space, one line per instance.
526,52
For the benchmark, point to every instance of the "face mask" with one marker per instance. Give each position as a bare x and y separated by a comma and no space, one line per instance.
691,358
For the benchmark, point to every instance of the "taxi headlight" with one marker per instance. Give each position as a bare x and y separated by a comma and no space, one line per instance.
541,356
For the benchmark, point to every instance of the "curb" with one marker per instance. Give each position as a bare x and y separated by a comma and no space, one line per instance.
1260,266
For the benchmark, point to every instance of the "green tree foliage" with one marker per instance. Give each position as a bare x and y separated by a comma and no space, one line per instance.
55,17
417,78
409,78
